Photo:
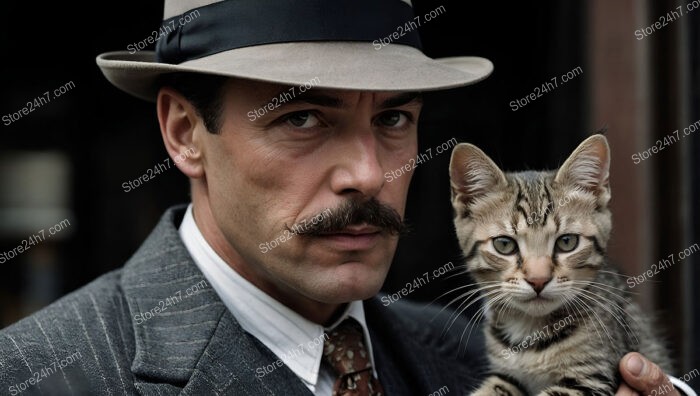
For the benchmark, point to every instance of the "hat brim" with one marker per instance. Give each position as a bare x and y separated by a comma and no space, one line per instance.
335,65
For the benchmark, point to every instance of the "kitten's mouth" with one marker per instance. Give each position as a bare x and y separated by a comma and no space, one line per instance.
538,305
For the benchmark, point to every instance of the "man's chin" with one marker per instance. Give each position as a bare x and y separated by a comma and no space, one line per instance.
347,296
350,282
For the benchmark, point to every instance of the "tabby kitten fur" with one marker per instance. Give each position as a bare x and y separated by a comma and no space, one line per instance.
535,243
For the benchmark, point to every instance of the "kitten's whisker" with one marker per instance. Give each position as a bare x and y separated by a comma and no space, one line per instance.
455,314
459,309
610,289
617,306
465,271
625,326
619,318
587,308
621,299
479,317
505,305
616,296
461,267
601,284
602,325
590,319
465,286
614,273
473,321
469,295
466,294
568,300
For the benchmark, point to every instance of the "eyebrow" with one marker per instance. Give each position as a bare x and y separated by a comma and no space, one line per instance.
324,100
402,99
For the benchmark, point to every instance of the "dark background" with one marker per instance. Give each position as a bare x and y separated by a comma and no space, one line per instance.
99,137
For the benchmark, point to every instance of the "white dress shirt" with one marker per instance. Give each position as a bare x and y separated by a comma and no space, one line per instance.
297,342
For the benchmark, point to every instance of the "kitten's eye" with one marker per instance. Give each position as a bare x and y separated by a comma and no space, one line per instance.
505,245
302,119
567,243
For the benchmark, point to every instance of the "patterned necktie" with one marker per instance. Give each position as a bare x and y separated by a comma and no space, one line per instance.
344,349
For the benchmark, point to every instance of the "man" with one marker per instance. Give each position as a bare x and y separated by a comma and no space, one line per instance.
289,117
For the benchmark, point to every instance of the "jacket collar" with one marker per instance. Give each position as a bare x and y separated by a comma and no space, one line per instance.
184,335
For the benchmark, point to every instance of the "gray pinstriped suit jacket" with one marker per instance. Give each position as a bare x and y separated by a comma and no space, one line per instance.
94,341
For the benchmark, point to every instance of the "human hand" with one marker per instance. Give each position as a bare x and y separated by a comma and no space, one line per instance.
642,377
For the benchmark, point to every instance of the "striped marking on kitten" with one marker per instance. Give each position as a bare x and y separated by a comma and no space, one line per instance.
535,242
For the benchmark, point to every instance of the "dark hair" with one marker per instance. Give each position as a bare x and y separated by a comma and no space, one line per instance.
204,91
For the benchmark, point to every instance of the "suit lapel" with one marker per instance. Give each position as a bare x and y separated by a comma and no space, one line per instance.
237,363
185,335
412,356
394,353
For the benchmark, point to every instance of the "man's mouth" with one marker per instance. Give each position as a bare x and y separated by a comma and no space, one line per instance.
355,237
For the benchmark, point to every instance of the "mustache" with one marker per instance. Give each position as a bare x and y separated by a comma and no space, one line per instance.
353,212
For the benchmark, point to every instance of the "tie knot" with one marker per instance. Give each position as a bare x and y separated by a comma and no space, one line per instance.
345,350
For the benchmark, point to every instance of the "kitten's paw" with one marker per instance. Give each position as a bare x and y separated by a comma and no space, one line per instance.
560,391
498,386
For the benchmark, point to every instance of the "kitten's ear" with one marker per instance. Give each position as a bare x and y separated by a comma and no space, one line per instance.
473,174
588,167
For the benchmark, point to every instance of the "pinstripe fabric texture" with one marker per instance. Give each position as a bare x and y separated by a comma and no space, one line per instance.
129,333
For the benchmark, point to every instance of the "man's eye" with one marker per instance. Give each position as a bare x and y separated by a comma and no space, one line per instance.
393,119
302,119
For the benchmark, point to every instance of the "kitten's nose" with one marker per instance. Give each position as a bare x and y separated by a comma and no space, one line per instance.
538,283
537,272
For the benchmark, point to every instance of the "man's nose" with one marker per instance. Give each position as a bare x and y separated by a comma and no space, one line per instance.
360,169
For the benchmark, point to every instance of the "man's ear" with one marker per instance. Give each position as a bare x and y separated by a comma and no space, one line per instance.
180,127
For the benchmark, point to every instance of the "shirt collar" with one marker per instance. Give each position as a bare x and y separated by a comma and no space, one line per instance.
296,341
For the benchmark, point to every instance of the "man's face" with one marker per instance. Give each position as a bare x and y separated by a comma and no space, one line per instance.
267,172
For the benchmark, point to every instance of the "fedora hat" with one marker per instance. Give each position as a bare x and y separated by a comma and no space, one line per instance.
341,44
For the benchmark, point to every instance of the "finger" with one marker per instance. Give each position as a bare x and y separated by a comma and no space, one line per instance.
625,390
644,376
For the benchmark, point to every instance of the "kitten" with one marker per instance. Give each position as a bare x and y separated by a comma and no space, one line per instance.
558,319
